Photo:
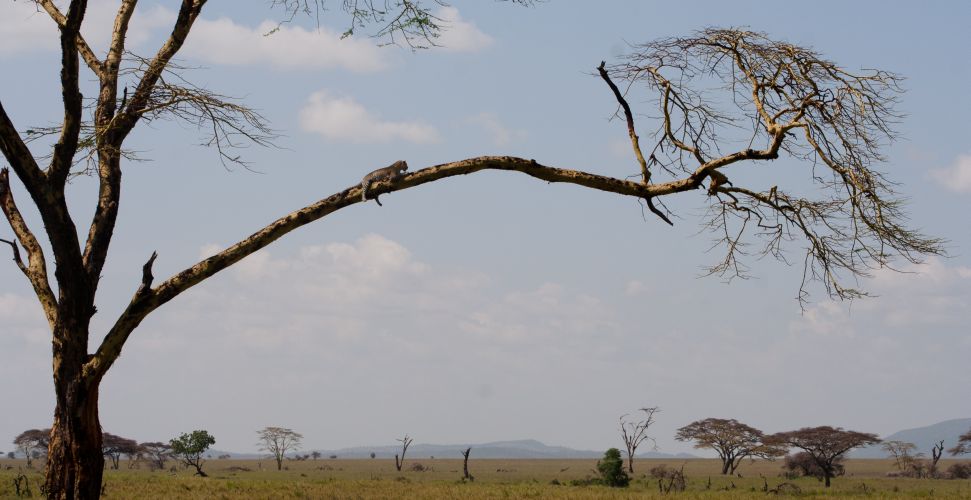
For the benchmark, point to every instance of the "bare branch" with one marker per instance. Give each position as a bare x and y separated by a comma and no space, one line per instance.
16,256
86,53
66,146
36,268
854,223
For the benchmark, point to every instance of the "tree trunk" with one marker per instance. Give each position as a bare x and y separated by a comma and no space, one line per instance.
727,466
279,462
75,463
827,474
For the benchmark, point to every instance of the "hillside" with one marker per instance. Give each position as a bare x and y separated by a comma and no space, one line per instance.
924,437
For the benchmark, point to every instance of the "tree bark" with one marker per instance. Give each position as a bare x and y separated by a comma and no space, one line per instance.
75,464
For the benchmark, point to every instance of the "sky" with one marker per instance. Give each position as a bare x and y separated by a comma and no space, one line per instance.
494,306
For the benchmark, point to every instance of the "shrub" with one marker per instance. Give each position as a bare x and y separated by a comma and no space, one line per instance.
959,471
611,469
802,464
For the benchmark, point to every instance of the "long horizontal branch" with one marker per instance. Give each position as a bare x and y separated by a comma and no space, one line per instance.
148,299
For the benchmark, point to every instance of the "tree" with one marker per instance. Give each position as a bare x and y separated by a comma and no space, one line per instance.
825,445
32,441
963,446
635,433
904,457
731,439
114,447
797,103
405,443
611,469
803,464
315,455
278,441
465,465
189,448
936,451
157,452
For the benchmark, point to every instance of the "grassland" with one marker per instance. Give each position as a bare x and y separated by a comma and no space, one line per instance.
494,479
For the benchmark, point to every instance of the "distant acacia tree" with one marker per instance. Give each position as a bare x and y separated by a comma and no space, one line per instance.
825,445
315,455
157,453
963,446
635,432
278,441
405,443
114,447
731,439
904,456
189,447
31,442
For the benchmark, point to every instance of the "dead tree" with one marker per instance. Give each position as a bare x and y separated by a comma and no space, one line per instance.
635,433
465,465
405,443
789,100
936,453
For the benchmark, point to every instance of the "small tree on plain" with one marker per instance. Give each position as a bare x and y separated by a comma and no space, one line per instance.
278,441
31,442
465,465
158,453
189,447
635,433
405,443
826,445
936,453
903,454
731,439
114,447
611,469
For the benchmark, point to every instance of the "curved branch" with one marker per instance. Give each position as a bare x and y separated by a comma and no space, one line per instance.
83,48
36,268
146,301
67,144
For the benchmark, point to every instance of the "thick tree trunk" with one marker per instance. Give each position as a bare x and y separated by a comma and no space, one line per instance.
727,466
75,463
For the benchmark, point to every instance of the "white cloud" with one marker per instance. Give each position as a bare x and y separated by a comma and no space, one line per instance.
501,135
24,27
956,177
458,34
926,295
344,119
222,41
635,287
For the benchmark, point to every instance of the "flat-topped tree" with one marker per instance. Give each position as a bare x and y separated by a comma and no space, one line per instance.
796,103
826,445
731,439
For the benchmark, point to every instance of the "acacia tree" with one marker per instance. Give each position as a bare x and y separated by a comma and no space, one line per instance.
278,441
157,452
114,447
189,447
791,101
825,445
635,433
963,446
731,439
31,441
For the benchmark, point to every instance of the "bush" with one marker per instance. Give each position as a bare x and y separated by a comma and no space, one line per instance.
611,469
959,471
802,464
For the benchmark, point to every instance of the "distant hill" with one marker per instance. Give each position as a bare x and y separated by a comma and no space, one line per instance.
525,448
924,437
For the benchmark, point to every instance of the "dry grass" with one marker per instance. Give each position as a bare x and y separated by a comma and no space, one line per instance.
364,478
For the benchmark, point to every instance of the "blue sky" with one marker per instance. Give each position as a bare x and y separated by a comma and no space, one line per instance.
494,306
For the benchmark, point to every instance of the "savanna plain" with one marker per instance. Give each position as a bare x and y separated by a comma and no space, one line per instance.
422,478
